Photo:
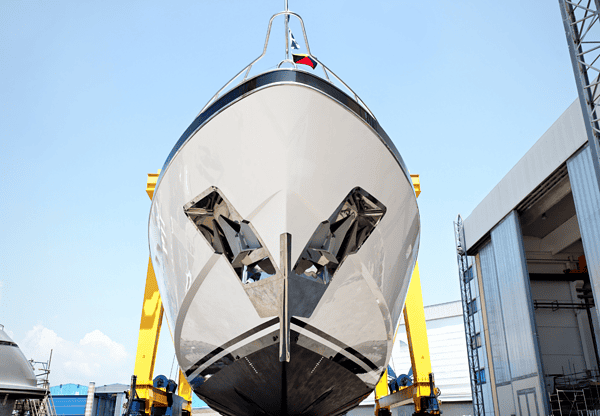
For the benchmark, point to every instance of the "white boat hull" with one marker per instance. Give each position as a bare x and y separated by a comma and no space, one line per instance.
282,157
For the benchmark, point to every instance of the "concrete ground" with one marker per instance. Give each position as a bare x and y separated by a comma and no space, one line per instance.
449,409
204,412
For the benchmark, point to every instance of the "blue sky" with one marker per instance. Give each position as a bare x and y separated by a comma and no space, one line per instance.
93,95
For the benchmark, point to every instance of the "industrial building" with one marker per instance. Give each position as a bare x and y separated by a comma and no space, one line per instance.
535,273
70,399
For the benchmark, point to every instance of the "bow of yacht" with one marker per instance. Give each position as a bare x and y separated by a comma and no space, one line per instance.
283,233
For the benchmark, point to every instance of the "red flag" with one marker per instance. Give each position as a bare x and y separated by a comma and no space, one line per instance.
304,60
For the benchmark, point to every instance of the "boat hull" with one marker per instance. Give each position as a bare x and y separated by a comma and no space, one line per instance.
17,378
284,170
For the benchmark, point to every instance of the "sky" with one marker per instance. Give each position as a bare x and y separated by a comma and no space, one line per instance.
93,96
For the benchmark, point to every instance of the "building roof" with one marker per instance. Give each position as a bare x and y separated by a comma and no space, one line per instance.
440,311
69,389
562,140
112,388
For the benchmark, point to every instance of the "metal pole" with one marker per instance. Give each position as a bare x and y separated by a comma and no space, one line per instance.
284,329
287,37
592,332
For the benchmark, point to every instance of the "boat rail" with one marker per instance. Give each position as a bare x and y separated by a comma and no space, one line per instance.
327,72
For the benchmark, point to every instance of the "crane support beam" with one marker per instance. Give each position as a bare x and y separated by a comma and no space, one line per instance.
399,398
422,392
416,332
150,326
185,390
581,21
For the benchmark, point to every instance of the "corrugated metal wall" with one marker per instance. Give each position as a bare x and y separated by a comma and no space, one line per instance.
481,352
510,318
587,204
493,305
69,405
513,285
105,404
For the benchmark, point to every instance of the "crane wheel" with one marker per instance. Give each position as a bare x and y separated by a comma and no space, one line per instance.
384,412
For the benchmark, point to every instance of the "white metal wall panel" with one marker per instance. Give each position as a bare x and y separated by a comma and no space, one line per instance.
447,350
587,205
556,145
442,310
493,305
448,353
513,285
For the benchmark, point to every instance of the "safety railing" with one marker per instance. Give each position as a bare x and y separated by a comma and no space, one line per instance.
246,71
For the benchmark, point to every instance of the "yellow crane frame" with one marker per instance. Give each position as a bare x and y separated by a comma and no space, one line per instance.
414,318
150,325
416,330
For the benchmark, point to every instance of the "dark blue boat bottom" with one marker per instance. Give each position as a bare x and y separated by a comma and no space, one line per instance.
259,384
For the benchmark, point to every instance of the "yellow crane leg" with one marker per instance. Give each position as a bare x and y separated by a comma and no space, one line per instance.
381,390
185,391
150,326
416,331
420,393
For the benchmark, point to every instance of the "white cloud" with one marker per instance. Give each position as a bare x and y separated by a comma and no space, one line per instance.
94,358
97,339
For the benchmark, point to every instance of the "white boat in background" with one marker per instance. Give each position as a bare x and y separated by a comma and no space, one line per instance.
283,233
17,379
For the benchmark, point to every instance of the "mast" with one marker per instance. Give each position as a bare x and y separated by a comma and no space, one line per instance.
287,36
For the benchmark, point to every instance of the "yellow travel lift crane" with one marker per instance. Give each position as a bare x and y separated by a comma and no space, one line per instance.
149,395
422,392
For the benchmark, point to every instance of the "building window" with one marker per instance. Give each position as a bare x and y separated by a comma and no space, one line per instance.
469,274
476,341
472,307
480,376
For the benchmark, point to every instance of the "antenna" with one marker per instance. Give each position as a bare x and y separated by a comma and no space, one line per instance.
287,36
